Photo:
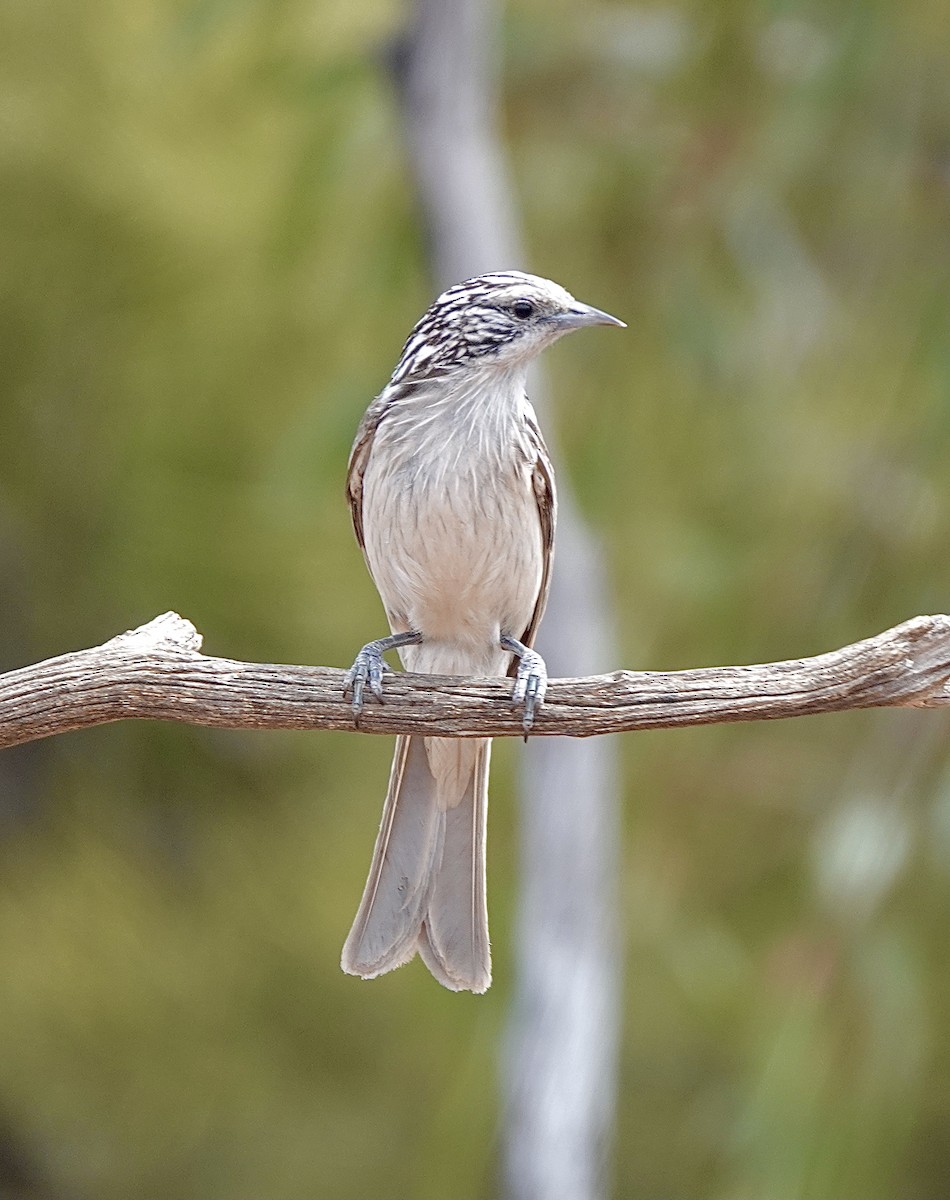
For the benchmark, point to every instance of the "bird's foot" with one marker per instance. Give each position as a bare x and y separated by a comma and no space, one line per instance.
531,680
370,667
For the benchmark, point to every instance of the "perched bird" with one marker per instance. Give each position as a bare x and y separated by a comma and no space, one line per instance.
452,497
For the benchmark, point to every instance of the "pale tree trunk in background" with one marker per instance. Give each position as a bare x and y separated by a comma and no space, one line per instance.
560,1064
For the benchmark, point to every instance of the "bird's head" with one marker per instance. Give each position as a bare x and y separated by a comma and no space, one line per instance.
505,318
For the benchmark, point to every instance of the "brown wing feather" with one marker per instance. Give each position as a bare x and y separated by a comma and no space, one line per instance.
359,457
542,480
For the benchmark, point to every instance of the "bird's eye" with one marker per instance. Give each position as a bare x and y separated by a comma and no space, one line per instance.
522,309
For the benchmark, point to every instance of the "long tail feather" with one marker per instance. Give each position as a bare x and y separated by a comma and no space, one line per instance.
426,885
453,941
408,846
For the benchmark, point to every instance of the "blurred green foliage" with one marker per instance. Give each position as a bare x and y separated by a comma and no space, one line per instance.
209,256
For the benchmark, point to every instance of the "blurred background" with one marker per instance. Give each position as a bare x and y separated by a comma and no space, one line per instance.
210,254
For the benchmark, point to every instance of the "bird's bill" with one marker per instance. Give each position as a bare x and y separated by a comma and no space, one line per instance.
582,315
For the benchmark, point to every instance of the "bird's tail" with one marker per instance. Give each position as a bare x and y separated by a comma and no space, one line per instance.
426,888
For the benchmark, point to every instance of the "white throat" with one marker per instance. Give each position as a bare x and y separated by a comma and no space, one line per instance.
472,420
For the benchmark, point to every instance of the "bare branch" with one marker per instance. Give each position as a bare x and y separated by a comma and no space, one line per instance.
157,672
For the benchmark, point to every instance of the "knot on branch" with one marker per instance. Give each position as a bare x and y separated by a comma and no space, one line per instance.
167,632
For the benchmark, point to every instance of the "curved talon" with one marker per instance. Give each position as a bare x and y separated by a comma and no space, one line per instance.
533,696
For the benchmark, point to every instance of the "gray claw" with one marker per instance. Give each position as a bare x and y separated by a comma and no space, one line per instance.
531,682
369,668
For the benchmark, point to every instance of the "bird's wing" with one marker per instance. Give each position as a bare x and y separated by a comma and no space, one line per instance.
359,457
542,480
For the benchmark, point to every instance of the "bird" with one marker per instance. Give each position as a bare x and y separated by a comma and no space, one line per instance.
452,496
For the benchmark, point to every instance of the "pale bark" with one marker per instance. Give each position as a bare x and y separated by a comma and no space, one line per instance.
157,672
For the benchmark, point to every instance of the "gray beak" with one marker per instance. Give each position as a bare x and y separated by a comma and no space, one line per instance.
581,315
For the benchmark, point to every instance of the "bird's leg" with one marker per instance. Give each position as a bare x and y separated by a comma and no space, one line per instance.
531,682
370,666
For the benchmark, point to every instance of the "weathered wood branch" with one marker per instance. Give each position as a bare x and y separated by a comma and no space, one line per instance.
157,672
